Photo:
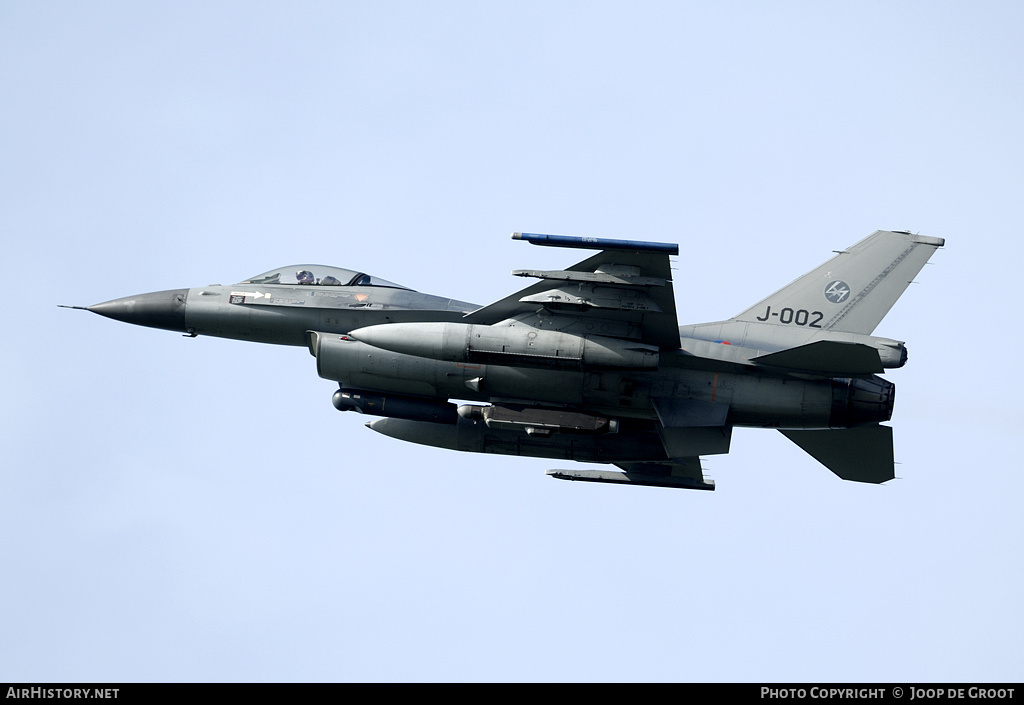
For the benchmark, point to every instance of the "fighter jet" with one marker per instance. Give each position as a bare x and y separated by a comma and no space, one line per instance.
589,363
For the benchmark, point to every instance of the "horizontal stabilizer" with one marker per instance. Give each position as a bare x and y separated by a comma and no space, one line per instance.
827,357
861,454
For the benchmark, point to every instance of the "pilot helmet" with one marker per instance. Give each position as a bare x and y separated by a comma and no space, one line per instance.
304,277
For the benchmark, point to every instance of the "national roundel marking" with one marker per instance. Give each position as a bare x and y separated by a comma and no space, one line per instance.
837,292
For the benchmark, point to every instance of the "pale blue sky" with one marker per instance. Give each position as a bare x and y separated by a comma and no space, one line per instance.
175,509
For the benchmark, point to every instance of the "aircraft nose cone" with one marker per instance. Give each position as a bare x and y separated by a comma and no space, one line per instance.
159,309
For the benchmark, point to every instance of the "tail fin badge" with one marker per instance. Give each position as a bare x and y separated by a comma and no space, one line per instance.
837,291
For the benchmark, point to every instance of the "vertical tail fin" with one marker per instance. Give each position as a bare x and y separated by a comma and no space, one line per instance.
853,291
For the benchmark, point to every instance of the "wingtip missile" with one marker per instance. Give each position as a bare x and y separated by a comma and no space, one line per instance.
594,243
632,478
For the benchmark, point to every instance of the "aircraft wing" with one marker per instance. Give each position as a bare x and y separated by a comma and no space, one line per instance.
624,291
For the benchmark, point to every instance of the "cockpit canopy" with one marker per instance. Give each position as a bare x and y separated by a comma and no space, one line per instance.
318,275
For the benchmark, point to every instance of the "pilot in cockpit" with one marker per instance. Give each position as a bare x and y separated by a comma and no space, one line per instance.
305,277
